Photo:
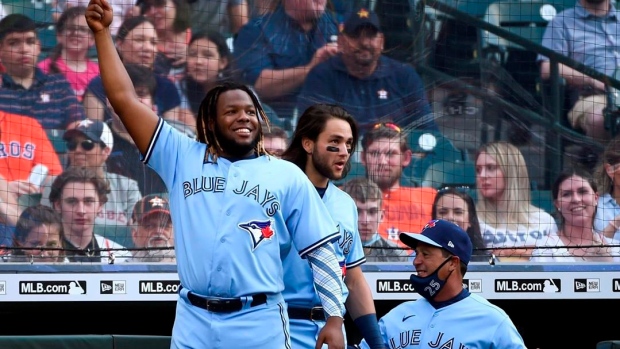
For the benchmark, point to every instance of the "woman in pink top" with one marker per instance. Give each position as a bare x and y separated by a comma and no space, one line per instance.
70,56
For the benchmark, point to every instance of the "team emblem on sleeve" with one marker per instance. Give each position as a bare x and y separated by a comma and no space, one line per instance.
259,231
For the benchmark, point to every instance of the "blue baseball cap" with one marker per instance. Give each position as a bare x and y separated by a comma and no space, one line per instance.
442,234
357,19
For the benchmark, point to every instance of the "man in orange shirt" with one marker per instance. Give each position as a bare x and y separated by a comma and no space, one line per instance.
384,155
23,145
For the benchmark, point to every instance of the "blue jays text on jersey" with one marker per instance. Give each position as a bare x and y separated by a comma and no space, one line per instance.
413,337
218,184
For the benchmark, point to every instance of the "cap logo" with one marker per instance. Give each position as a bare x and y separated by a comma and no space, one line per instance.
85,123
363,13
450,244
430,224
157,202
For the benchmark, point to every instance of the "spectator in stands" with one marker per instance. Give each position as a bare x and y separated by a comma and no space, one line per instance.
275,141
171,21
275,52
208,63
224,16
89,144
575,198
371,86
26,90
509,222
368,199
456,206
124,159
23,145
38,236
385,154
152,230
607,176
137,43
586,33
79,194
122,8
70,56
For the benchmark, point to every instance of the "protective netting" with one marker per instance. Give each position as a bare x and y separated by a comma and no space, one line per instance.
476,135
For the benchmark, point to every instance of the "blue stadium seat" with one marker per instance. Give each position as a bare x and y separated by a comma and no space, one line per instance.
55,136
28,200
428,148
39,11
543,200
608,345
450,174
121,234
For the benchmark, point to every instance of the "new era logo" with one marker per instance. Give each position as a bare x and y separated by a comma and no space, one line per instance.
112,287
587,285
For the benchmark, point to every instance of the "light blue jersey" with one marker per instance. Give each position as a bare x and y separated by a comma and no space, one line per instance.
299,288
233,221
471,323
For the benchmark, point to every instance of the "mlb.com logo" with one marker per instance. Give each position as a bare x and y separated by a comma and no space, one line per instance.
587,285
113,287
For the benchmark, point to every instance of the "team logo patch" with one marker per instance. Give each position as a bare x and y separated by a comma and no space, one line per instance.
430,224
259,231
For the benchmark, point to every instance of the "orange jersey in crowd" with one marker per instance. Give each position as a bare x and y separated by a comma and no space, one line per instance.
23,145
406,209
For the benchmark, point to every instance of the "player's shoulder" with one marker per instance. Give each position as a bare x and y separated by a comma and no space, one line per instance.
280,166
406,309
341,195
483,304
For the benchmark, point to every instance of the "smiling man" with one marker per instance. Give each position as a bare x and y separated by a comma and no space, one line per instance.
447,315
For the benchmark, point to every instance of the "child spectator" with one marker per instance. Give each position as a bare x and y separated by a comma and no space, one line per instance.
70,56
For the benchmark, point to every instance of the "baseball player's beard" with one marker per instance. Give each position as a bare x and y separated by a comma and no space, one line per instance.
430,285
321,164
232,147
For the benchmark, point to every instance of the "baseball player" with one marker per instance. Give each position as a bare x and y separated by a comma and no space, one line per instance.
322,144
235,212
447,316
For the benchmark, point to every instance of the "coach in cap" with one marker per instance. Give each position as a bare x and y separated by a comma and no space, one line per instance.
152,230
369,85
447,311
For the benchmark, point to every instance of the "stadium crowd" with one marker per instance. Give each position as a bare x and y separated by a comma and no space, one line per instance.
93,200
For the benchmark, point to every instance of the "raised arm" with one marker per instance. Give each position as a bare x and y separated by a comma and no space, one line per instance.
139,120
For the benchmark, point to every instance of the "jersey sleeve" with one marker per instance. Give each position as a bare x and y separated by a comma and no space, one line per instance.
507,337
307,218
162,154
356,256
